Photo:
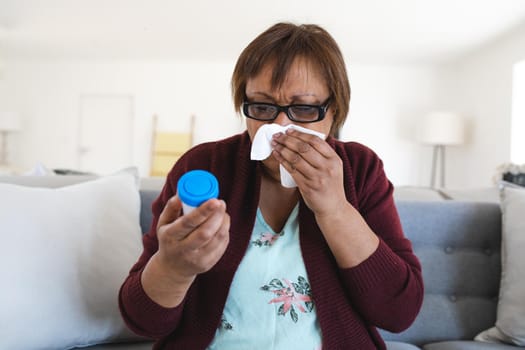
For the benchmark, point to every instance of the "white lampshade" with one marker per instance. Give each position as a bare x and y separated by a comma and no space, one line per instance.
442,128
9,121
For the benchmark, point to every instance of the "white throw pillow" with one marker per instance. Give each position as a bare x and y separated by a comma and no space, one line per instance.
65,253
510,323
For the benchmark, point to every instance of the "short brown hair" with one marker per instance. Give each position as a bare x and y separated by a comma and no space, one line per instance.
283,43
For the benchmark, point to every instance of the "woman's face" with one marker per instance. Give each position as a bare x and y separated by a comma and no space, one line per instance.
303,85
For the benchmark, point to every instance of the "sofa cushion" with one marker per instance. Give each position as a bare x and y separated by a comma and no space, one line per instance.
466,345
122,346
66,251
395,345
458,244
147,197
510,323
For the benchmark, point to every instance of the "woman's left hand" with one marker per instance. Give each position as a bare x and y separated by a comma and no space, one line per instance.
315,167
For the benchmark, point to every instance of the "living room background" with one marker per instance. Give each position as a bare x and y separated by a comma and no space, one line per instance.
388,100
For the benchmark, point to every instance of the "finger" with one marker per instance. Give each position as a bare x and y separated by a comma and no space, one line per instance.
216,246
303,143
205,257
171,211
200,214
212,256
184,225
205,231
297,155
306,166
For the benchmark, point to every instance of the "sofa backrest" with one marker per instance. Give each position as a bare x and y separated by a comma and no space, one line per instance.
458,244
147,196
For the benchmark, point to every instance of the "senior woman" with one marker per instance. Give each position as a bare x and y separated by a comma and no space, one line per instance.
267,266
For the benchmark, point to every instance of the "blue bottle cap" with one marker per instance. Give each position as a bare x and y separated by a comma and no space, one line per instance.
197,186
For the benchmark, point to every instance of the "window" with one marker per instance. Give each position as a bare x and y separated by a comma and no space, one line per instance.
517,140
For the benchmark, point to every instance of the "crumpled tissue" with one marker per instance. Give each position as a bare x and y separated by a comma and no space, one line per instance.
262,148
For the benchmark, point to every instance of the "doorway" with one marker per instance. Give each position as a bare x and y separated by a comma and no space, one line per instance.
105,133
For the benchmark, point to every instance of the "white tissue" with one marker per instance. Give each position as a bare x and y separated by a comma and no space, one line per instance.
262,148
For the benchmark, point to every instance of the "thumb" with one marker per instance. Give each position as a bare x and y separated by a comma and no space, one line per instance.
171,211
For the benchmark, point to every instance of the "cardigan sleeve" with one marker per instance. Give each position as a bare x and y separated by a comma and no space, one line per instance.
141,314
387,288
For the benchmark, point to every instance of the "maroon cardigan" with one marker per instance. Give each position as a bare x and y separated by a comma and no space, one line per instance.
385,291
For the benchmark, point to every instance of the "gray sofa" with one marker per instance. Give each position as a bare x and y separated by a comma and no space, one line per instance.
458,243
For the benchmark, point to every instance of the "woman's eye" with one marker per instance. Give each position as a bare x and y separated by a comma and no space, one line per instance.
304,110
263,109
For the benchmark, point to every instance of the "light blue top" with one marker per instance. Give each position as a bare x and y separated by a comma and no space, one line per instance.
269,305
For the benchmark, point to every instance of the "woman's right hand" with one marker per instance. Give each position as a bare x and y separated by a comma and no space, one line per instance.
188,245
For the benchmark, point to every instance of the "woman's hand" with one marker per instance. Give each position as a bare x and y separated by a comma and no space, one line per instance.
188,245
318,172
193,243
315,167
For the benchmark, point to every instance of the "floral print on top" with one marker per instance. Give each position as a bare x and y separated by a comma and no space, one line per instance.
270,304
293,294
267,239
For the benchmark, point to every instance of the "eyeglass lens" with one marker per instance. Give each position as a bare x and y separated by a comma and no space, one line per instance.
265,111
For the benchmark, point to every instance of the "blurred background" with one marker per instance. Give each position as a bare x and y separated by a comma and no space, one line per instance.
92,86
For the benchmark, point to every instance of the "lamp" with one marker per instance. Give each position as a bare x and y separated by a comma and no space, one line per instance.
9,122
441,129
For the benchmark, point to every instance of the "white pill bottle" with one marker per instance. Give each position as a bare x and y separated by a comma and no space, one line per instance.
196,187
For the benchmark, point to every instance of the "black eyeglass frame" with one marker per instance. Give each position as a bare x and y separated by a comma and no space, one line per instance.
322,109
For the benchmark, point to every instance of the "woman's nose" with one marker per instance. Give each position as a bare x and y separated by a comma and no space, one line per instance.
282,119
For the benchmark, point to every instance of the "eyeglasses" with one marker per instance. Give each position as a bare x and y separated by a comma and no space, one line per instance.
300,113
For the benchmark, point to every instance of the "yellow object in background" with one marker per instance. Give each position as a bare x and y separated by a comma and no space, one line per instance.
167,147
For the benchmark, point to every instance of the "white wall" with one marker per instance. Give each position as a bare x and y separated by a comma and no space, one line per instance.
480,86
386,101
46,95
385,106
